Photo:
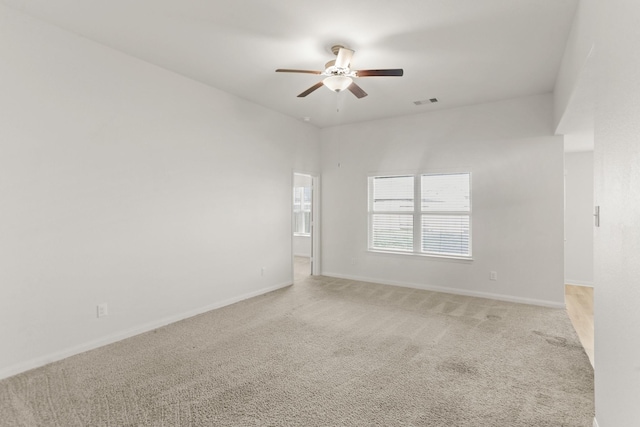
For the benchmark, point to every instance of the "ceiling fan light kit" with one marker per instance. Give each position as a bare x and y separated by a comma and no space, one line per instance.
337,83
339,75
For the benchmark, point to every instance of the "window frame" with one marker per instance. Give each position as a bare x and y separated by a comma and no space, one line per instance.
417,215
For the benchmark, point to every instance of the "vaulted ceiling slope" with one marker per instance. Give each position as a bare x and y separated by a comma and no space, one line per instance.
460,51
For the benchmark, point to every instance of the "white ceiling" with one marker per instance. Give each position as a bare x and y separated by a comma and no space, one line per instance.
460,51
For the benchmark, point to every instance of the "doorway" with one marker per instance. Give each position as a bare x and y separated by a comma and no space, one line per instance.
304,229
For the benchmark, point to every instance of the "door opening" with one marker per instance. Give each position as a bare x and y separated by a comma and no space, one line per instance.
303,226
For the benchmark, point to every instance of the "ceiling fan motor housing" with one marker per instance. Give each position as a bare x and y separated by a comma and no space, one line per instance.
336,48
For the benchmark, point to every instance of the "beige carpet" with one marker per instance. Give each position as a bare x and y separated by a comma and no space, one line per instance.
325,352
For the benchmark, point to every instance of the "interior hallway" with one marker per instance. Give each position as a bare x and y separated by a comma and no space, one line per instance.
301,268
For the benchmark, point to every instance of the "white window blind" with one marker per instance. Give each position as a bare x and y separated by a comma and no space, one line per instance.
445,234
393,194
393,232
440,224
392,209
445,193
445,206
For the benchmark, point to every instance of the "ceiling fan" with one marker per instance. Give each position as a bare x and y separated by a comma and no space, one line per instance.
339,76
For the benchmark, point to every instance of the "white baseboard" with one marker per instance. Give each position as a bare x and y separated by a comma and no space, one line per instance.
110,339
595,422
578,282
500,297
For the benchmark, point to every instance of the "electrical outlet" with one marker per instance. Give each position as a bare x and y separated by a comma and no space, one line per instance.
493,275
262,271
354,261
102,310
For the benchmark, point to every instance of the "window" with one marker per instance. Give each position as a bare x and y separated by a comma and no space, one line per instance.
302,211
445,210
392,213
438,225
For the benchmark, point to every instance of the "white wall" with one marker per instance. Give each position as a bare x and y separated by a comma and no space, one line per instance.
302,246
517,167
617,241
123,183
578,219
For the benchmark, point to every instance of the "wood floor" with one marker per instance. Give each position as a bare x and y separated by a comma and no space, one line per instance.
579,301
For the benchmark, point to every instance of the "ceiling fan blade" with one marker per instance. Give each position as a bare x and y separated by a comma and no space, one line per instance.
394,72
311,89
344,57
286,70
357,90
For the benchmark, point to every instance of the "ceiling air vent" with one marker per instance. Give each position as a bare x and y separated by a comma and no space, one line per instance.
426,101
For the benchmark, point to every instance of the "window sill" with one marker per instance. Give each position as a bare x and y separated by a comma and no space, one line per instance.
420,255
302,234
